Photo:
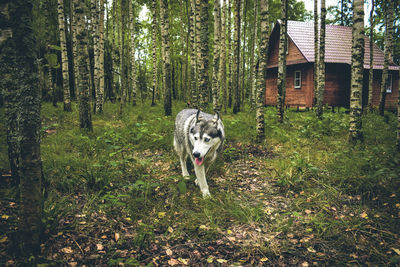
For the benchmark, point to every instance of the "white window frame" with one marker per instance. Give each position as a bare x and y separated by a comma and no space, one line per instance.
297,79
389,84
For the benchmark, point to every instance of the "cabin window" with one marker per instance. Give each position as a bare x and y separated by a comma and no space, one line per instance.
389,84
297,79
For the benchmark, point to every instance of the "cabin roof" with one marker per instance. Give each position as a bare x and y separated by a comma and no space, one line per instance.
338,44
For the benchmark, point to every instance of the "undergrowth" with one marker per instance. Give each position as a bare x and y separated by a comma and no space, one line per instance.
320,200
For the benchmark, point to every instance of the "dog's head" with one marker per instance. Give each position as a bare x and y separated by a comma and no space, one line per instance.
205,136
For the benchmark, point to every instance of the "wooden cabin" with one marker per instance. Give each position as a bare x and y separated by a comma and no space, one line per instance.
300,68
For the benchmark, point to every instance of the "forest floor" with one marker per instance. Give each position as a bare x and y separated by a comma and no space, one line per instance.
304,197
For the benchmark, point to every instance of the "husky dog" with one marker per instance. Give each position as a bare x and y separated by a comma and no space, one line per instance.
200,136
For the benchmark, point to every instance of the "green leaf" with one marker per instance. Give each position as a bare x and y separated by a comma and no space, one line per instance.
182,187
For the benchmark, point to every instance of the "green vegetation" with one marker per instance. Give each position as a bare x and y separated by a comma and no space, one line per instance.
116,195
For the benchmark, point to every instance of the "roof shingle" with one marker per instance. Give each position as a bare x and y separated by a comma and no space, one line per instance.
338,44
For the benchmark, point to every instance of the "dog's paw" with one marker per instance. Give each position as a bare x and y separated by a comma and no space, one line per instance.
206,193
196,182
186,177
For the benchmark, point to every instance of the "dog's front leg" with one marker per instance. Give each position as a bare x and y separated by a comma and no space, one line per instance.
185,172
201,179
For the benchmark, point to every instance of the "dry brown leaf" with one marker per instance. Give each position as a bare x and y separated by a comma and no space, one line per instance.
67,250
168,252
116,236
99,246
173,262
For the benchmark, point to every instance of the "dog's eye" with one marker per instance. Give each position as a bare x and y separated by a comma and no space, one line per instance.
206,139
195,138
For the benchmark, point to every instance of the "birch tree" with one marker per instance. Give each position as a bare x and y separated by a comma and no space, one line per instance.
100,59
18,51
230,54
236,61
154,49
192,32
85,117
357,62
132,54
262,71
253,62
321,63
281,83
203,82
387,54
316,50
64,57
216,55
166,58
94,12
371,53
222,66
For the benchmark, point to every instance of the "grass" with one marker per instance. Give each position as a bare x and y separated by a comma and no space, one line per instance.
116,195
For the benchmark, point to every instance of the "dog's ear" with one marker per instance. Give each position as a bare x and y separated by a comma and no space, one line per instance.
216,117
198,118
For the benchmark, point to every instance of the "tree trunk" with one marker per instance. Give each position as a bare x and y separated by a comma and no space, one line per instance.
122,56
154,34
100,60
236,63
166,58
18,51
243,89
64,57
222,62
192,29
85,117
94,12
262,71
316,52
357,62
282,61
216,54
203,56
74,48
253,73
133,64
371,59
321,63
398,120
387,51
230,54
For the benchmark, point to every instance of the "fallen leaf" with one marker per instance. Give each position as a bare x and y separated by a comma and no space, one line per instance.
396,250
161,214
73,263
210,259
67,250
203,227
99,246
170,229
308,212
168,252
116,236
5,217
364,215
173,262
222,261
229,232
4,239
184,261
305,264
264,259
310,249
103,237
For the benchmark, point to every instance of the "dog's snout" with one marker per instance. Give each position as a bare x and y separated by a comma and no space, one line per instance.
196,154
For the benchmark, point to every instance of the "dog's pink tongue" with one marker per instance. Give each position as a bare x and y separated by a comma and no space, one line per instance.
199,161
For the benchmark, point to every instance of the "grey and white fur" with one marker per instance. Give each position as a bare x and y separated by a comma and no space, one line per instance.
199,136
